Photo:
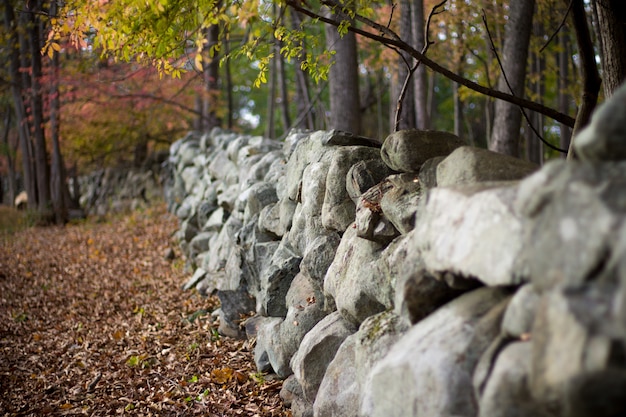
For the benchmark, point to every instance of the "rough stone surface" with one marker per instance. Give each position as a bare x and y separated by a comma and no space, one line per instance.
520,315
340,391
317,349
407,150
473,232
604,139
338,208
469,165
441,349
507,394
354,280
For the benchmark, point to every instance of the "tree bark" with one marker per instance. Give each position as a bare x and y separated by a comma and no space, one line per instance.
564,82
343,79
12,181
589,70
58,182
211,82
420,77
41,152
11,26
506,127
612,34
403,99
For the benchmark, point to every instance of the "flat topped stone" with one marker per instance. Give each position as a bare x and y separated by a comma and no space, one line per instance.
407,150
470,165
341,138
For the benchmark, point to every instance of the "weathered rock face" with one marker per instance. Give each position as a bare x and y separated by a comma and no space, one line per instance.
407,150
460,286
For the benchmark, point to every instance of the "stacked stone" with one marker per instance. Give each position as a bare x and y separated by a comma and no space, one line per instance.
417,277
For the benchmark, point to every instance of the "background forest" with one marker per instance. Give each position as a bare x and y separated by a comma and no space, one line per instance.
90,84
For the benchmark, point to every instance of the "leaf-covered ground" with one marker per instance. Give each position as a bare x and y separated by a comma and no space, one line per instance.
93,322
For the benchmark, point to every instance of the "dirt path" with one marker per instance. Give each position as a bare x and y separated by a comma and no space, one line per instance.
93,322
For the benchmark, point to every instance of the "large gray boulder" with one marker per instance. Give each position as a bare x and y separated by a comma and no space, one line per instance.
400,203
428,372
574,211
407,150
356,281
470,165
338,209
305,303
276,280
604,139
572,335
317,350
506,393
471,231
307,217
339,393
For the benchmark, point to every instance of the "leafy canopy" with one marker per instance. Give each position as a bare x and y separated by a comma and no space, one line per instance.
171,35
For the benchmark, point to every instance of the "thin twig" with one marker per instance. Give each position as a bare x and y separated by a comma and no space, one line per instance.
472,85
412,69
506,80
569,8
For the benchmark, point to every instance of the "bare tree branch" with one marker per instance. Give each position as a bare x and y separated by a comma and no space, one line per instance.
506,80
400,44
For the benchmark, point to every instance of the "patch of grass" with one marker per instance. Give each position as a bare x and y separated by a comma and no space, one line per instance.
12,220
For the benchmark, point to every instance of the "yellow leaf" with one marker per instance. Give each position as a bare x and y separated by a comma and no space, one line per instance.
222,375
198,62
65,406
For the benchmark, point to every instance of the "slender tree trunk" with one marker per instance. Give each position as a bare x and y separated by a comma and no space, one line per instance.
58,176
506,128
345,108
41,152
270,129
420,77
12,29
403,107
564,82
612,33
10,151
211,81
304,109
458,110
588,68
229,86
282,91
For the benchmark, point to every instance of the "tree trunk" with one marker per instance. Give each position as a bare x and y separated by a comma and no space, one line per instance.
506,127
229,86
12,182
282,91
564,82
420,77
41,152
612,33
304,108
270,130
211,82
58,176
403,99
11,26
458,109
343,78
588,69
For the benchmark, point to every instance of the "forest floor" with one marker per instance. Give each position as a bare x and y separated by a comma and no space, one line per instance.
93,322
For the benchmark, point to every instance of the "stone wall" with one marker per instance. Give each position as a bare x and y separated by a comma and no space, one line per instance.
417,277
121,189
